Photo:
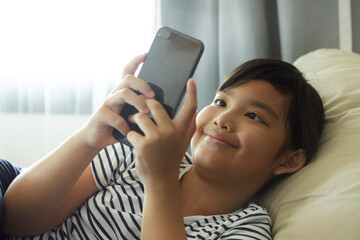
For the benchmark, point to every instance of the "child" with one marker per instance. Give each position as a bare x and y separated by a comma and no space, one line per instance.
265,121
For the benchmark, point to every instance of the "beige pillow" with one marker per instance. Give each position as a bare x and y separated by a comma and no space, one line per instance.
322,201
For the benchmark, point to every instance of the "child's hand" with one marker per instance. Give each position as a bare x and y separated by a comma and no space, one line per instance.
159,152
98,131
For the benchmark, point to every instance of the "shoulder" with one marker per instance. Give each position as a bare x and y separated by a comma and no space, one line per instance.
252,219
250,222
254,208
253,213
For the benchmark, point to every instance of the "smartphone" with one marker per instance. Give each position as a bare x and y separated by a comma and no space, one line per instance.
170,62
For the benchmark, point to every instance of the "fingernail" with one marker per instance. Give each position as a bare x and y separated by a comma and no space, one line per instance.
193,79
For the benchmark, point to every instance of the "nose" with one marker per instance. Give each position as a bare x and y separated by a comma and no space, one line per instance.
224,121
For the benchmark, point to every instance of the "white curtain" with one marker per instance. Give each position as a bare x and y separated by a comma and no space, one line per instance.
65,56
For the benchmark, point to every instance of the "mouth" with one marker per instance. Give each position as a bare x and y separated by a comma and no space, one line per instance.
219,138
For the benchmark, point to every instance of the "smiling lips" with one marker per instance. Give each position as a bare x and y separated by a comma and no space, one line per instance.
213,135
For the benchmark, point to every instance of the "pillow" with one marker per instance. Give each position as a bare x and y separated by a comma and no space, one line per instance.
322,201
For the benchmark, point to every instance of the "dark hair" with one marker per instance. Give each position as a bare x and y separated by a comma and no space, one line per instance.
304,113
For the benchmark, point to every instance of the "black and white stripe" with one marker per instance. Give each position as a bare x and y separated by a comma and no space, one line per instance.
115,212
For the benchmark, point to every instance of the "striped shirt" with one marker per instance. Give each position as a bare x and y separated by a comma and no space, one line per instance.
115,211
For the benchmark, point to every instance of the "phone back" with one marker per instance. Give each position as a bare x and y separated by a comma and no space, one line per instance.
170,62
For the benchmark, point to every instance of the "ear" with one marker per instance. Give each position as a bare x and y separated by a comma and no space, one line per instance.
291,162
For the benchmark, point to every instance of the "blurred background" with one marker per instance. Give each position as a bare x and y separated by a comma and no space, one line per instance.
59,59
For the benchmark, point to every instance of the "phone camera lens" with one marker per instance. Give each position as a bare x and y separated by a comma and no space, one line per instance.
164,34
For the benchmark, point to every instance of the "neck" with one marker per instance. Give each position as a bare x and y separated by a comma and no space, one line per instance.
201,197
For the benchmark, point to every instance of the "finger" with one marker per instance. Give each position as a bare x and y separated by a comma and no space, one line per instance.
188,110
118,99
133,65
144,123
158,112
132,82
134,138
114,120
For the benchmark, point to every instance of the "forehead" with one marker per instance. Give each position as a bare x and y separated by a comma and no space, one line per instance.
259,93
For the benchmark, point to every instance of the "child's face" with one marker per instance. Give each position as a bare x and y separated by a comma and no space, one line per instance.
239,136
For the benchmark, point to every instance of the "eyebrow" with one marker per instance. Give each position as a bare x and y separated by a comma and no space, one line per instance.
264,106
256,103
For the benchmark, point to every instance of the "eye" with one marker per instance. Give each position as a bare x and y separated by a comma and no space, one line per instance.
255,117
220,102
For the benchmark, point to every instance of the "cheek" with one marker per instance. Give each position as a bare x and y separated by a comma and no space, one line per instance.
203,116
200,122
264,146
256,144
254,160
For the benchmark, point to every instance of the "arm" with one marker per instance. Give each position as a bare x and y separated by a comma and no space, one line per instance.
36,196
158,165
83,189
45,194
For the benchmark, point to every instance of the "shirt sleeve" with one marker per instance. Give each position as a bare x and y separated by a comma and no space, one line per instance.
111,160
